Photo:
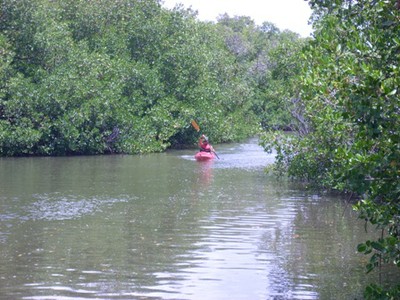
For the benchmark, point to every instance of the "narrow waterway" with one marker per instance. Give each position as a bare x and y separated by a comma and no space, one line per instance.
164,226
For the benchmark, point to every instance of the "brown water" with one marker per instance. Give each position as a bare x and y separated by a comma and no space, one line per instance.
164,226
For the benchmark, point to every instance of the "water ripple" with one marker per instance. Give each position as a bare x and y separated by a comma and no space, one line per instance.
58,207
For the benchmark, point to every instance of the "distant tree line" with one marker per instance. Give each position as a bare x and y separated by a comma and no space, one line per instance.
127,76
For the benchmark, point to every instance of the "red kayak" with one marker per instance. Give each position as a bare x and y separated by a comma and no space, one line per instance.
203,155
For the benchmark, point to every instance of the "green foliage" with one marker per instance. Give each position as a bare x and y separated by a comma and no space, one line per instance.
91,77
374,292
5,61
349,115
280,86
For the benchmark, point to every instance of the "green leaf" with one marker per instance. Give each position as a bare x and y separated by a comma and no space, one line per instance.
377,246
361,247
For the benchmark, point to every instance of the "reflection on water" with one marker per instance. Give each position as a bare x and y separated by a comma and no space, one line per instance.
165,226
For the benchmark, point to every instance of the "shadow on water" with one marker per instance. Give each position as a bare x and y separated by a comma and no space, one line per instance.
164,226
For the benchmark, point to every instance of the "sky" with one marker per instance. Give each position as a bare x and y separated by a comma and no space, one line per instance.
285,14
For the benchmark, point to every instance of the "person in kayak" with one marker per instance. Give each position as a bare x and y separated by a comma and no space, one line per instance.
204,145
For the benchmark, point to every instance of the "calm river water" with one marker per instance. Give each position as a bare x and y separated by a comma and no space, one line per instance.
164,226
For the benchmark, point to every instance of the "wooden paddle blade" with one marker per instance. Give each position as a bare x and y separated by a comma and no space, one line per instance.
194,124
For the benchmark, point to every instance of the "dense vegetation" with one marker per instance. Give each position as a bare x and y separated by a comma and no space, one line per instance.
102,76
348,119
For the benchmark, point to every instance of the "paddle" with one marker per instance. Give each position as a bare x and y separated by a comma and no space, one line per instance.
197,127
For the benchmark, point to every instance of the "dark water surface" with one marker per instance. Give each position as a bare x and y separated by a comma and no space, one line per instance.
164,226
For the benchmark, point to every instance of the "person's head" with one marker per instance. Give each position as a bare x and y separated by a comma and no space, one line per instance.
205,140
